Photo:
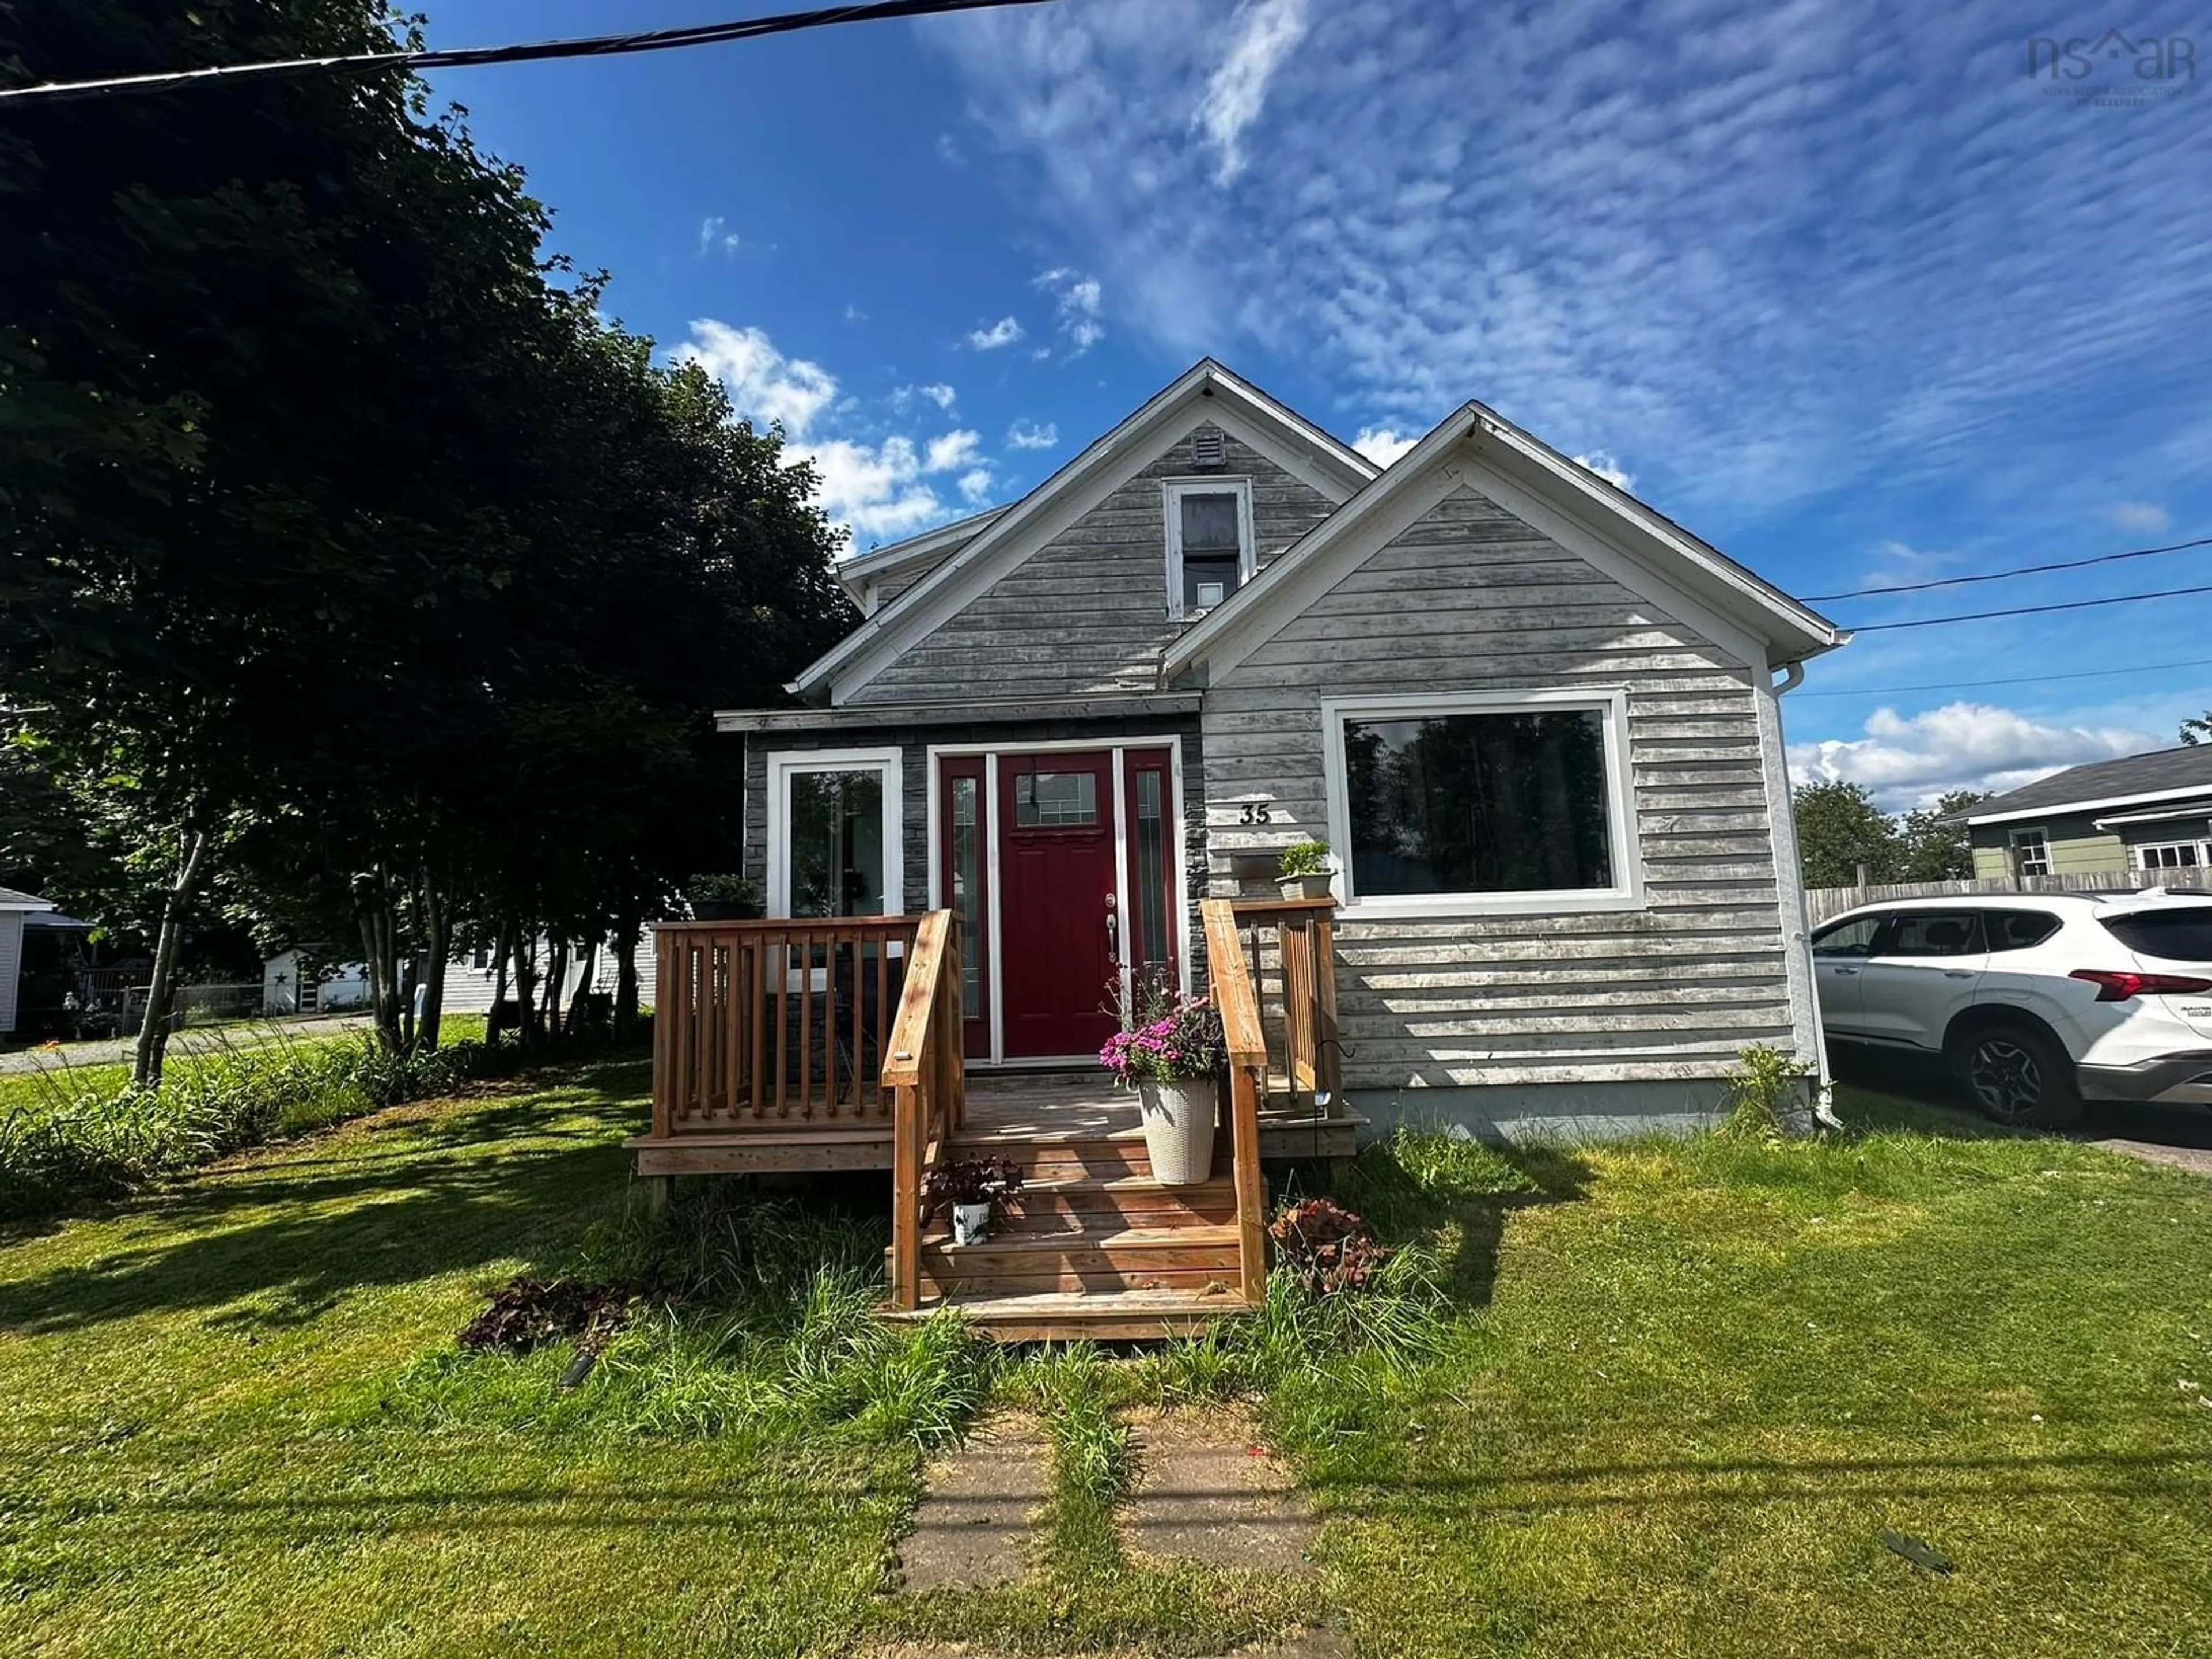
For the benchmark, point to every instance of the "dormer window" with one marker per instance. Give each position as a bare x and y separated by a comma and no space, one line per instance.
1210,554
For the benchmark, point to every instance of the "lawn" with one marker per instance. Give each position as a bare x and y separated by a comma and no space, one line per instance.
1669,1397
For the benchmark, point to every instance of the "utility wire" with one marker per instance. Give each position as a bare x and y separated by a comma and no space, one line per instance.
2023,679
599,46
2029,609
2006,575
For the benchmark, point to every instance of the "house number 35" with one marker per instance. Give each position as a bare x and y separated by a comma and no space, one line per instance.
1256,813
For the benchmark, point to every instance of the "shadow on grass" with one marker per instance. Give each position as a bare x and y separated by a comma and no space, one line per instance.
289,1239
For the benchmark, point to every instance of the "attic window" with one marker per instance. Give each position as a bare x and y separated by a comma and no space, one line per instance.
1209,534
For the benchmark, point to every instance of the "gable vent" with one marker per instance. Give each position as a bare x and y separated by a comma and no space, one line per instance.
1206,450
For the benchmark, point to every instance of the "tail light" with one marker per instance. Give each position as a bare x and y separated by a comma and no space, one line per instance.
2119,987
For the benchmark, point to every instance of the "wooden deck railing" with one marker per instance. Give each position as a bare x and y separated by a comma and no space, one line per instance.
759,1024
1289,946
1230,986
927,1077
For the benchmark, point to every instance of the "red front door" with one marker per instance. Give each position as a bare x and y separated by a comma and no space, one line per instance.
1057,902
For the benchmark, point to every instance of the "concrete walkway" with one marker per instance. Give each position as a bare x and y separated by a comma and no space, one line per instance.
108,1051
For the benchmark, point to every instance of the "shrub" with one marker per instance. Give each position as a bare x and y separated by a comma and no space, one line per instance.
1762,1089
1327,1249
1305,858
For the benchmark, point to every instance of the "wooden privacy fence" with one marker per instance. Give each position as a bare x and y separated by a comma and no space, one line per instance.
927,1078
756,1024
1822,902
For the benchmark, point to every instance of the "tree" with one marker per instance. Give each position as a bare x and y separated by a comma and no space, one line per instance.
1932,847
1839,829
2197,729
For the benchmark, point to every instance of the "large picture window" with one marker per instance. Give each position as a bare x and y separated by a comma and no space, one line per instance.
1497,802
834,834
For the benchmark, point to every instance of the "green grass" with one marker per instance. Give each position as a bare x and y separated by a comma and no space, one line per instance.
1646,1400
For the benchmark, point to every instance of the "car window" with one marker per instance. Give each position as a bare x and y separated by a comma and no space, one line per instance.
2015,930
1854,937
2182,933
1933,934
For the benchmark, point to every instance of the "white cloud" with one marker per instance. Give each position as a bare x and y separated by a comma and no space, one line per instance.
1028,435
764,384
1383,445
954,449
876,487
975,486
1004,332
712,235
1078,297
1910,760
949,150
1900,564
1234,97
2142,515
936,392
1602,462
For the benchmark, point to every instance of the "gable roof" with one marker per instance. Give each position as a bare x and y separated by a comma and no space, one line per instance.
1206,389
1496,455
2161,774
857,570
12,900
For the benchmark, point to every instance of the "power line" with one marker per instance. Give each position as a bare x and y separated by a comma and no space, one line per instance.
2023,679
599,46
2006,575
2030,609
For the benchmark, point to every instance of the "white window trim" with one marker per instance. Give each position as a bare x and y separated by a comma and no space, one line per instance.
2136,850
782,765
2012,850
1172,490
1625,894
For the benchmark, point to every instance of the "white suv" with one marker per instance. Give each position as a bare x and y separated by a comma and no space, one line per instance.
2037,1001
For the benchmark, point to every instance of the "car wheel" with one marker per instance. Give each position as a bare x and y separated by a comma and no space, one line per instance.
2018,1076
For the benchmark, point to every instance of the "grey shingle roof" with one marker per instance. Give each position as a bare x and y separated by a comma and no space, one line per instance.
12,900
2187,767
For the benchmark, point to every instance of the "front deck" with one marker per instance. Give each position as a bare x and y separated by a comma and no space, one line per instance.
833,1045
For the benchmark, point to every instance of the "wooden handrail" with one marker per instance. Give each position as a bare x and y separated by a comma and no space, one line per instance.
1231,982
759,1021
926,1075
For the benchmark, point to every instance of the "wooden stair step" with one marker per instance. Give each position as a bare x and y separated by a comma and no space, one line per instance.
1058,1206
1111,1316
1189,1255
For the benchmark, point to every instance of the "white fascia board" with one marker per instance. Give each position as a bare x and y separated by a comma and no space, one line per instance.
897,556
2096,804
1206,391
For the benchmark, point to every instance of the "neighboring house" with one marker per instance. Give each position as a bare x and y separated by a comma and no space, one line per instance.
14,906
1539,723
470,980
2149,814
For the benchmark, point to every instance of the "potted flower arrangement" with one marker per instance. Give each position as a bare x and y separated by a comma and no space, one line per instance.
1173,1053
723,898
1305,873
971,1187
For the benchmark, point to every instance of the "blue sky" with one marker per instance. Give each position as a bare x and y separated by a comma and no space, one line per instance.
1841,287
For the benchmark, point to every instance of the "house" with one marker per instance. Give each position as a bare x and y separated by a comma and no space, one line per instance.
15,909
1538,722
293,981
2147,814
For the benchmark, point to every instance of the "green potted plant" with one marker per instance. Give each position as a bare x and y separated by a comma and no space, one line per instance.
1173,1053
723,898
1305,871
971,1187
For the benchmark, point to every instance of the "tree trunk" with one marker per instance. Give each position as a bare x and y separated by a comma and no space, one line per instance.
625,947
162,990
380,944
503,945
437,945
526,983
557,969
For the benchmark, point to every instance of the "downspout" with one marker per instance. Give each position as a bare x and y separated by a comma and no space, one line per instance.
1823,1092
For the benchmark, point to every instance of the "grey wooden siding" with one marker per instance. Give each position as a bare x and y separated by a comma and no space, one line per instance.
1088,610
914,749
1472,599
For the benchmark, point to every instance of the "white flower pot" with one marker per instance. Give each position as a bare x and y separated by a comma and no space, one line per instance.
971,1223
1306,887
1179,1129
